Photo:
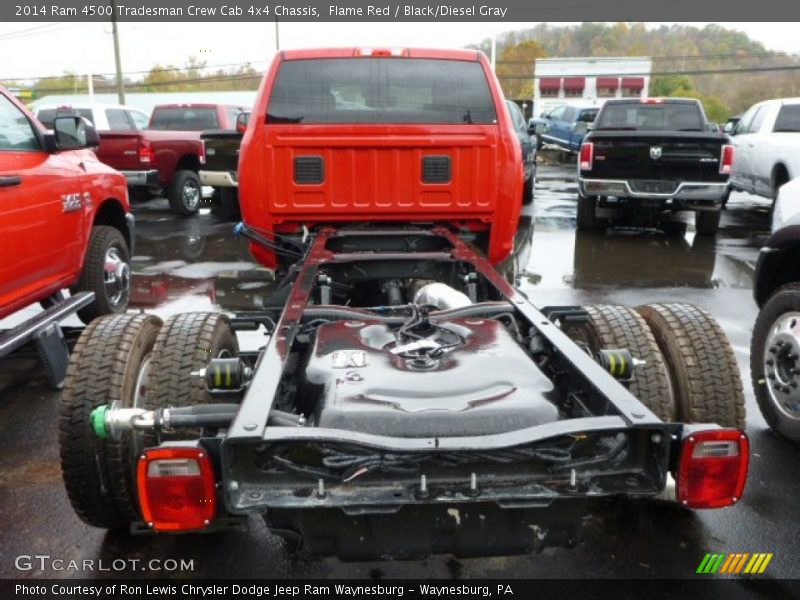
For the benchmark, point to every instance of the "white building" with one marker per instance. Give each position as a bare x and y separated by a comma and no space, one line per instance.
588,81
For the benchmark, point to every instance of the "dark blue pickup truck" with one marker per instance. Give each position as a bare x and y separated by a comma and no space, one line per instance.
564,126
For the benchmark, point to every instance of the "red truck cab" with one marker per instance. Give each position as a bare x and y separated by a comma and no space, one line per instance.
166,157
65,222
404,136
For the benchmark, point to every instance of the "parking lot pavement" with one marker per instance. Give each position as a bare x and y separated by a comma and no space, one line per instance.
195,264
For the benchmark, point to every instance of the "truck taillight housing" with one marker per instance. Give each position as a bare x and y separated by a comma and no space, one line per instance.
713,468
586,157
176,488
146,153
726,159
202,157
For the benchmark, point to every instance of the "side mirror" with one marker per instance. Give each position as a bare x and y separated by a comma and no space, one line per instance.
73,132
545,115
241,122
730,128
539,128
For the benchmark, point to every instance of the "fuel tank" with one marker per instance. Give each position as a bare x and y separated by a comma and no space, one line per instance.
483,384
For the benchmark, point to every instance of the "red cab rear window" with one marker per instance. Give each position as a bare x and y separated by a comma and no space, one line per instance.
381,90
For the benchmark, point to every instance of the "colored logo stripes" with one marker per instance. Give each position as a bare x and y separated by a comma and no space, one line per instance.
735,563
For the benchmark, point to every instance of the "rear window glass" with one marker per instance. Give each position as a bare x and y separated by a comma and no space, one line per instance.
46,116
788,118
651,117
184,119
117,119
381,90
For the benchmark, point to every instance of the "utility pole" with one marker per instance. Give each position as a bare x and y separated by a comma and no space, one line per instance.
277,37
117,60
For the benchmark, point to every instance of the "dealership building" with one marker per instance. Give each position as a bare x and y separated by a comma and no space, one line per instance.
588,81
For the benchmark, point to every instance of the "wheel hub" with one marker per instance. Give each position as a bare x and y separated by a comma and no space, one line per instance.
782,364
116,276
191,195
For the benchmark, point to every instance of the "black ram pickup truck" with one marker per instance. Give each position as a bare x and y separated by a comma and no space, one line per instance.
221,167
647,157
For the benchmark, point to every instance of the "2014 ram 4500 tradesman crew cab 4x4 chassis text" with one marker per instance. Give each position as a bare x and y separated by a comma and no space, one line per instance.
409,400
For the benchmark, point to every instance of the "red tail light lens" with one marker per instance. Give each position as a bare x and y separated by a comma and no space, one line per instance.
726,159
146,154
176,488
713,468
587,156
202,157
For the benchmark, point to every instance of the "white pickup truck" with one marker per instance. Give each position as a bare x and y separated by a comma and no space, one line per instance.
767,141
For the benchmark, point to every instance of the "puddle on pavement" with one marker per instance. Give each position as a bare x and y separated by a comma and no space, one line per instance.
197,263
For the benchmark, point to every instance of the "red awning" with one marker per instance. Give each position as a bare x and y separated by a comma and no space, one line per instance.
633,83
550,83
607,83
574,83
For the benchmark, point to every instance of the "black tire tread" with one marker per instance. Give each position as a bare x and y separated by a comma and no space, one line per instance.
764,321
96,375
702,364
586,215
175,190
707,222
621,327
185,343
91,278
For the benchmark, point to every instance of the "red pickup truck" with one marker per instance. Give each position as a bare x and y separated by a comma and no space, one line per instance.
64,222
323,146
166,157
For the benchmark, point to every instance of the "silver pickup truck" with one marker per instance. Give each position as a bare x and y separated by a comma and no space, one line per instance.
767,141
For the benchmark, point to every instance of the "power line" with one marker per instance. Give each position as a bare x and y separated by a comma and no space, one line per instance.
31,31
255,77
738,56
145,72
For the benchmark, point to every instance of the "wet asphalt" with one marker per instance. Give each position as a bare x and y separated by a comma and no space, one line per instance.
196,264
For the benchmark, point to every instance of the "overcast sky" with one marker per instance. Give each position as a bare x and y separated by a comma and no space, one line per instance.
37,49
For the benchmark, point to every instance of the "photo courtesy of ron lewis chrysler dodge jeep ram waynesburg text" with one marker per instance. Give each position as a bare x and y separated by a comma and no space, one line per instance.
408,399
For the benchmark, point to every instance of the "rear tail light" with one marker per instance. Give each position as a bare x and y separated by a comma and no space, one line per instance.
587,156
713,468
176,488
726,159
146,153
202,157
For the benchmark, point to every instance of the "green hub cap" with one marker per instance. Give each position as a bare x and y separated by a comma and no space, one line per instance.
98,418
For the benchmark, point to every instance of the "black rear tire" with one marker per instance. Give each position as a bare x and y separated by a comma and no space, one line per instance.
185,192
527,192
186,343
587,219
226,205
107,248
613,326
702,365
780,419
706,222
104,367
